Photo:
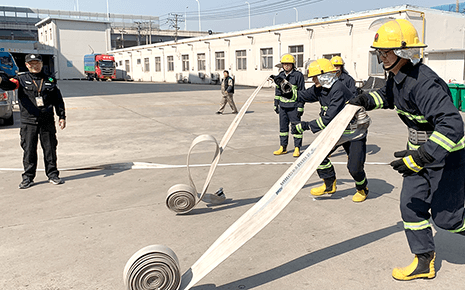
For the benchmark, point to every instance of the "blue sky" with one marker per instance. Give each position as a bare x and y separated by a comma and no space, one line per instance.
285,15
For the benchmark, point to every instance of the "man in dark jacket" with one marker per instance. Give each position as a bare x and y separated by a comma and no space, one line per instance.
433,167
332,95
343,75
38,95
227,90
288,82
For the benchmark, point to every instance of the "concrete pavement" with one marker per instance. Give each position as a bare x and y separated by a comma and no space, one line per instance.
79,235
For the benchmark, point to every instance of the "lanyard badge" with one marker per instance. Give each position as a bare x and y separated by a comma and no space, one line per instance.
39,99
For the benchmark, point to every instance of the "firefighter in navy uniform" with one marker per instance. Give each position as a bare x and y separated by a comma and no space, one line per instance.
38,95
343,75
286,104
332,95
433,166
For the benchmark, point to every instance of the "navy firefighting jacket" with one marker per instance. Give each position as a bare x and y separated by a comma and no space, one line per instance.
348,81
332,101
297,81
423,102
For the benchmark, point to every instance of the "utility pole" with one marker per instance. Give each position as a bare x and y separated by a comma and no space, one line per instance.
457,6
174,20
139,24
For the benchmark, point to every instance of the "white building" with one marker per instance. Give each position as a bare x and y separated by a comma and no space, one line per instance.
251,55
71,39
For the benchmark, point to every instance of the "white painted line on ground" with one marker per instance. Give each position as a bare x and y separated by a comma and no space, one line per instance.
146,165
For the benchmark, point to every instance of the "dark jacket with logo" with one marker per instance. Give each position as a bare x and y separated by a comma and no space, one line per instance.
28,85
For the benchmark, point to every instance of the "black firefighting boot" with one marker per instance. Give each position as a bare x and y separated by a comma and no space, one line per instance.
421,267
328,187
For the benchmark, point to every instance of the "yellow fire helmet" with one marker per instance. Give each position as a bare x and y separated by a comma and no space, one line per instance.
320,66
397,34
337,60
288,58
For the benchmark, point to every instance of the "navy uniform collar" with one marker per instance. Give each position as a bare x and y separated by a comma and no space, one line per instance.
403,72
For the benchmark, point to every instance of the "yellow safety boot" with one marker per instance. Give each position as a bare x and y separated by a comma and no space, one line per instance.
280,151
328,187
360,195
422,267
296,152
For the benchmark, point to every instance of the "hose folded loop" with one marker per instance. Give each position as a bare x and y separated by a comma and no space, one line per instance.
183,198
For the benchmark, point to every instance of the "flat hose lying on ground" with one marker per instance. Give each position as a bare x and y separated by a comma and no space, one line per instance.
254,220
182,198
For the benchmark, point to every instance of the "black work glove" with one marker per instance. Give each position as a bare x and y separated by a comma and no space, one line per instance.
298,128
412,161
276,109
360,100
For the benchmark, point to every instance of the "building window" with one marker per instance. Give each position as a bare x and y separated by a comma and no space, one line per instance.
128,67
50,34
146,64
45,35
241,60
201,61
120,63
170,60
185,62
330,56
376,69
158,63
138,61
219,60
266,56
297,51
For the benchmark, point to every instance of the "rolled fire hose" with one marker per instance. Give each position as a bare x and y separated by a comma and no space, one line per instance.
143,272
182,198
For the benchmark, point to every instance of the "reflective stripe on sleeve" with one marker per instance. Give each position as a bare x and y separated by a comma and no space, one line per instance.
419,119
320,124
461,229
459,145
378,100
299,128
276,97
411,164
417,226
300,109
442,141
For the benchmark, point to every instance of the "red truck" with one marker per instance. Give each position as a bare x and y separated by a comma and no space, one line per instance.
99,66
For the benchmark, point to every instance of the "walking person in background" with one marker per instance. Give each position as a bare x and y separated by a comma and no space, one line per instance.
227,90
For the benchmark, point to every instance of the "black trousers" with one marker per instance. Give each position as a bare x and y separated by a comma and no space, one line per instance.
356,151
286,116
30,135
434,192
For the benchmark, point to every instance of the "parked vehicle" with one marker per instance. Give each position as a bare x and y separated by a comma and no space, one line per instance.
99,66
6,108
8,64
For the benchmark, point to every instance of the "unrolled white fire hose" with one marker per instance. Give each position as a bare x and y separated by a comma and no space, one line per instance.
182,198
156,267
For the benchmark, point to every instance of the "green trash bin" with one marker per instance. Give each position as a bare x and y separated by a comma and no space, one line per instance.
456,96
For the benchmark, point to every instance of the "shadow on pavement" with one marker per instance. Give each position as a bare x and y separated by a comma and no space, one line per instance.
307,260
450,247
228,204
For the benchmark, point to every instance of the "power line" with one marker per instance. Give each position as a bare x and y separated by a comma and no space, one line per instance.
257,8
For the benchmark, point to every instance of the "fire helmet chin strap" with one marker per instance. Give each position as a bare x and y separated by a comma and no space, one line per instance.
394,65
